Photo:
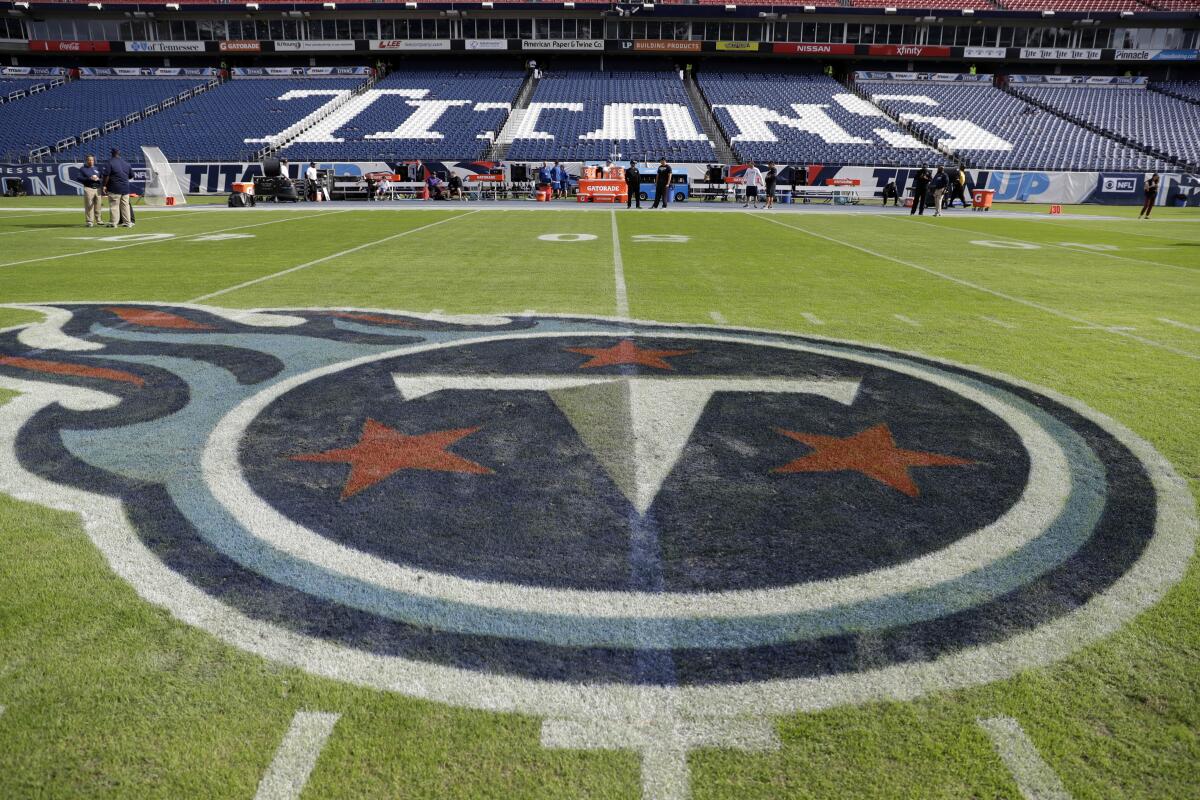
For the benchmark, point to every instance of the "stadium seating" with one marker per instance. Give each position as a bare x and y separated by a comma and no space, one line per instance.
981,5
1073,5
1148,119
44,119
654,120
1183,90
1174,5
806,119
1002,131
395,120
214,125
19,88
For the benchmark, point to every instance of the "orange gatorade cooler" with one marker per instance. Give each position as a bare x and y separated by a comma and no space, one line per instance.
981,199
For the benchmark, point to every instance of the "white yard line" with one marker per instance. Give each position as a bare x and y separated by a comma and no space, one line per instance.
162,241
1033,776
323,259
1120,231
1068,248
998,322
297,755
812,319
718,317
1184,325
993,292
619,269
907,320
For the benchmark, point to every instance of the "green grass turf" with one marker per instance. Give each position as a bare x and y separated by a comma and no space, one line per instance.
108,695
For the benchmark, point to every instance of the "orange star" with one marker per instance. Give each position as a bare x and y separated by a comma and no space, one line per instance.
872,452
626,352
382,451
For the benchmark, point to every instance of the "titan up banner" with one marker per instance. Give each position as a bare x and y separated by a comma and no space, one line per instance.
1018,186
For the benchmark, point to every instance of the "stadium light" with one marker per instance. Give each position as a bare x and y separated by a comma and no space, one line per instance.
173,6
96,6
330,6
488,4
568,5
252,6
889,11
1047,13
410,5
21,5
968,12
1126,13
730,7
810,9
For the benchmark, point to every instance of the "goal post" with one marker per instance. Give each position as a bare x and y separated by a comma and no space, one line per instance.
161,182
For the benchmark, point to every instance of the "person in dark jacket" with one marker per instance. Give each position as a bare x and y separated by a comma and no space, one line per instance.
633,184
920,187
1150,194
890,192
770,177
940,183
117,174
662,183
958,188
92,182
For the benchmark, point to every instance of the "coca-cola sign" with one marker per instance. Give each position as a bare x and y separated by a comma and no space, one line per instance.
58,46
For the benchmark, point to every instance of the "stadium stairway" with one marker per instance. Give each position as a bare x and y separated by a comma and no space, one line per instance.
291,134
703,110
512,123
904,124
1099,131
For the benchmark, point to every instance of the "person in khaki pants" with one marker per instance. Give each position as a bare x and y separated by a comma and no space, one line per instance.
116,183
89,176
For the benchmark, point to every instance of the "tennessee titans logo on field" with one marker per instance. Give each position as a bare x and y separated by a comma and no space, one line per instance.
584,517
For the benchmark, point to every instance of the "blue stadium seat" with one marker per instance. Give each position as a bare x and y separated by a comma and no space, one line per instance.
671,131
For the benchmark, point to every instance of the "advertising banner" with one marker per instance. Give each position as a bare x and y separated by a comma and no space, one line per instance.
305,46
738,47
666,45
908,50
410,44
562,44
58,46
164,47
486,44
1157,55
985,52
241,46
813,49
1058,54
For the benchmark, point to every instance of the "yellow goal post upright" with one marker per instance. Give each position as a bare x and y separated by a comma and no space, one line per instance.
162,186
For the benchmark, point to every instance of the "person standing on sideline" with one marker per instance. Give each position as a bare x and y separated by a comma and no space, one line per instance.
310,180
1151,194
116,185
940,182
89,176
662,183
920,187
958,188
751,178
633,185
770,177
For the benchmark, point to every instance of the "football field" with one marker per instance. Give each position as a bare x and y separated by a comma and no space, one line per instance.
453,501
